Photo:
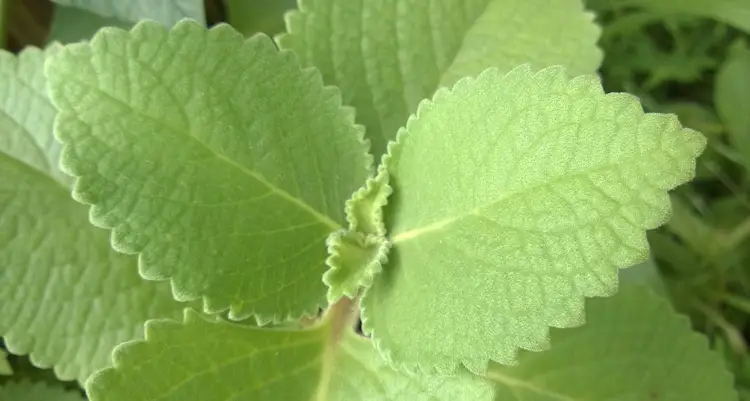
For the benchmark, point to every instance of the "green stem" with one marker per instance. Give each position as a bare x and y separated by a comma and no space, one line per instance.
731,333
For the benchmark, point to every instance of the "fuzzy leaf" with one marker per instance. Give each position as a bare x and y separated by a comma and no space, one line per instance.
388,55
67,298
200,359
361,374
5,368
605,360
514,197
30,391
217,159
632,347
168,12
355,259
356,255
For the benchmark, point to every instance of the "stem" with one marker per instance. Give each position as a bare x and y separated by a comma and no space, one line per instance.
341,315
338,317
731,333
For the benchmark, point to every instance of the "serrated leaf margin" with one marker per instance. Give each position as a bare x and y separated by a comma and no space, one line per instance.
116,230
388,159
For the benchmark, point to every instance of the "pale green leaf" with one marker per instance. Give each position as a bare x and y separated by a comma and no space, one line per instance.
25,390
5,368
200,360
361,374
732,12
357,254
71,24
217,159
732,98
388,55
514,197
355,258
632,347
166,12
67,298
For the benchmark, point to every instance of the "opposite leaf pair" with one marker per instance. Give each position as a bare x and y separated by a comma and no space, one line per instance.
224,166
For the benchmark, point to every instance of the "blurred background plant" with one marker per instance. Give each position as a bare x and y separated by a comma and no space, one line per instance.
691,58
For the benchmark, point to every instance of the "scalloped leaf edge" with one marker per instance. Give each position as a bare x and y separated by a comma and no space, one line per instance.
480,367
98,219
356,255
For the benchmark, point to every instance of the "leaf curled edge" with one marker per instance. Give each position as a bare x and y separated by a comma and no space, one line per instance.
356,255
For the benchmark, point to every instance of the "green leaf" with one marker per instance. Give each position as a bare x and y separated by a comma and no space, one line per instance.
25,390
645,273
5,368
388,55
632,347
168,12
71,24
732,12
250,17
216,159
514,197
67,298
4,11
732,98
361,374
200,359
358,254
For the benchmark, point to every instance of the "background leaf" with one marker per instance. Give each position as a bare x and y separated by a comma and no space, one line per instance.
5,368
633,347
67,298
733,12
732,98
388,55
250,17
29,391
71,24
562,185
215,158
166,12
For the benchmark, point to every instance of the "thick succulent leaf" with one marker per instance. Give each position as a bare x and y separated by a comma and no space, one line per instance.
388,55
514,197
66,297
5,368
200,359
632,347
166,12
217,159
25,390
71,24
732,12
